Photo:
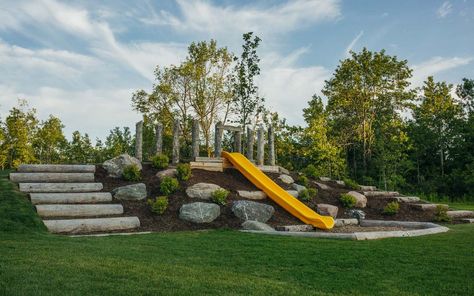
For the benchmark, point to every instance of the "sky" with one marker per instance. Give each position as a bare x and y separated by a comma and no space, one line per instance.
82,60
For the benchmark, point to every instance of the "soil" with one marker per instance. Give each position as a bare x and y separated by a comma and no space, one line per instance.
233,180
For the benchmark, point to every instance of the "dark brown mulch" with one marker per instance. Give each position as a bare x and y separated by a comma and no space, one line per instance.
233,180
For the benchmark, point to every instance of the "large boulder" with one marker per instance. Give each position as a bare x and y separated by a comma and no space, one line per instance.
293,193
115,166
130,192
286,179
202,190
199,212
250,210
361,200
166,173
256,195
327,210
298,187
255,225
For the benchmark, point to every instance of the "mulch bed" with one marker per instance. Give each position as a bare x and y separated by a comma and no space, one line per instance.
233,180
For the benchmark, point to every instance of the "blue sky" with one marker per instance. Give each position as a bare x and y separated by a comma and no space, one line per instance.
81,60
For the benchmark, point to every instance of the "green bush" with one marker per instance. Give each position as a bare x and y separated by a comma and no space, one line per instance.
220,196
441,214
348,201
311,171
159,205
351,183
302,180
312,192
183,171
169,185
160,161
391,208
132,173
307,194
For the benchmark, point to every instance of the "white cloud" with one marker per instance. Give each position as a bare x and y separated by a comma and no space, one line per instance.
352,44
445,9
436,65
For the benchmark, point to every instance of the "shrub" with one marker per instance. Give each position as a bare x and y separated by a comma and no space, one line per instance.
302,180
169,185
391,208
351,183
311,171
307,194
312,192
159,205
220,196
160,161
132,173
441,214
347,200
183,171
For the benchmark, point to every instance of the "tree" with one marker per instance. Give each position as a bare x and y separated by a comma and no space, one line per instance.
118,142
246,101
49,140
80,149
465,92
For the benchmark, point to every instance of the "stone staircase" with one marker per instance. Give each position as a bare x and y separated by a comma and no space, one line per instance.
69,201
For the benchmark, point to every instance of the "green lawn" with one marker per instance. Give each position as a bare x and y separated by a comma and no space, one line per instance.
224,262
462,205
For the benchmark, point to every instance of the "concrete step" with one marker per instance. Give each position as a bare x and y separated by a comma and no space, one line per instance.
52,177
70,198
73,226
62,210
427,206
56,168
407,199
380,193
460,214
60,187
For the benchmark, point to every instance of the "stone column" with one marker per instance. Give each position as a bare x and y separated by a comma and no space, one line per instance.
176,132
250,142
139,140
271,145
218,140
238,142
159,138
260,145
195,138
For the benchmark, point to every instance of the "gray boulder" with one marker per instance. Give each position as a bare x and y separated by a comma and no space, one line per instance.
323,186
115,166
166,173
327,210
361,200
250,210
199,212
255,225
358,214
202,190
283,170
286,179
298,187
130,192
294,193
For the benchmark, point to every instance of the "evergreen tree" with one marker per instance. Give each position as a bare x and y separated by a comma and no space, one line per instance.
49,141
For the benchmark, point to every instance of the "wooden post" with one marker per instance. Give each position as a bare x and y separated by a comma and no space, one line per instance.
159,138
250,143
238,142
218,140
175,154
139,140
260,145
195,138
271,146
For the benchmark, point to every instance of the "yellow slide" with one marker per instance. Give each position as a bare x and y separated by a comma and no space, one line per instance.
278,194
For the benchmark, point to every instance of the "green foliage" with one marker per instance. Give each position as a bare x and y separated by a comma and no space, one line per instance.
119,141
351,183
302,180
160,161
219,196
307,194
132,173
169,185
391,208
311,171
347,201
441,214
159,205
183,171
49,141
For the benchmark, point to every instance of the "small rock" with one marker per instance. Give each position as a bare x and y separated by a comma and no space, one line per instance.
250,210
166,173
286,179
255,225
325,179
115,166
340,182
327,210
361,200
282,170
202,190
298,187
294,193
130,192
255,195
199,212
358,214
322,186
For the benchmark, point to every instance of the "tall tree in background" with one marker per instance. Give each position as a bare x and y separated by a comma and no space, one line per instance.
80,149
246,102
118,141
49,140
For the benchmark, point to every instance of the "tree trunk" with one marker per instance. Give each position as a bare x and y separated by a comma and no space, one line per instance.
139,140
176,132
